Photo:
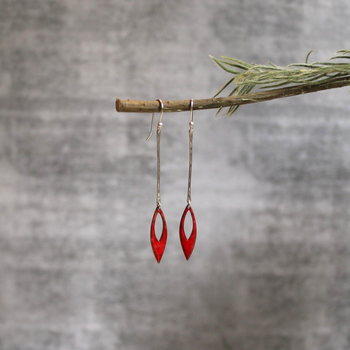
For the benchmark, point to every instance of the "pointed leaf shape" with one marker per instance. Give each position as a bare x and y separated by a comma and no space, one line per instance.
188,244
158,246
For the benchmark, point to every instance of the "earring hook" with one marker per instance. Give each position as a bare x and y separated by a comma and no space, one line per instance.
191,108
161,106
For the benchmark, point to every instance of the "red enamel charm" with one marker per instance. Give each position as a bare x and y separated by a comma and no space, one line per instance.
188,244
158,246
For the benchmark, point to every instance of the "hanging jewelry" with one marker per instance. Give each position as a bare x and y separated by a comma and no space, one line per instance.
188,244
158,246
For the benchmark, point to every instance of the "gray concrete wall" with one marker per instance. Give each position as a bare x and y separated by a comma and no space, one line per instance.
271,185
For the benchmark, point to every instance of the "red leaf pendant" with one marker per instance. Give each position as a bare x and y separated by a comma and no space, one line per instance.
158,246
188,244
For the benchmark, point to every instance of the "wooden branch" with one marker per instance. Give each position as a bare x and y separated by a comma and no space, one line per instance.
210,103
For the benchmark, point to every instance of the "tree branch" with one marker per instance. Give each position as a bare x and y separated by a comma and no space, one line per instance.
212,103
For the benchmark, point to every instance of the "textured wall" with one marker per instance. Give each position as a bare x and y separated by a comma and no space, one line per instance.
271,185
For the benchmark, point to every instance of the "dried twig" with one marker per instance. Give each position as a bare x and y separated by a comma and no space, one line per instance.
297,79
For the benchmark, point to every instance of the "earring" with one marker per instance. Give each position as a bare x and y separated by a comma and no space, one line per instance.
158,246
188,244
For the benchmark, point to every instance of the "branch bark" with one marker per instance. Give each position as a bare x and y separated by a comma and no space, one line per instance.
211,103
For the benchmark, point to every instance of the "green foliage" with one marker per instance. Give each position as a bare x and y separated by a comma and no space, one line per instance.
247,76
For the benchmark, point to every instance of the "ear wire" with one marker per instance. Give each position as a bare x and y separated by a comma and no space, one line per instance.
161,106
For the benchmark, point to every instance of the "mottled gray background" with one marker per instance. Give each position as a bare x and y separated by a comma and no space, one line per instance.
271,185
